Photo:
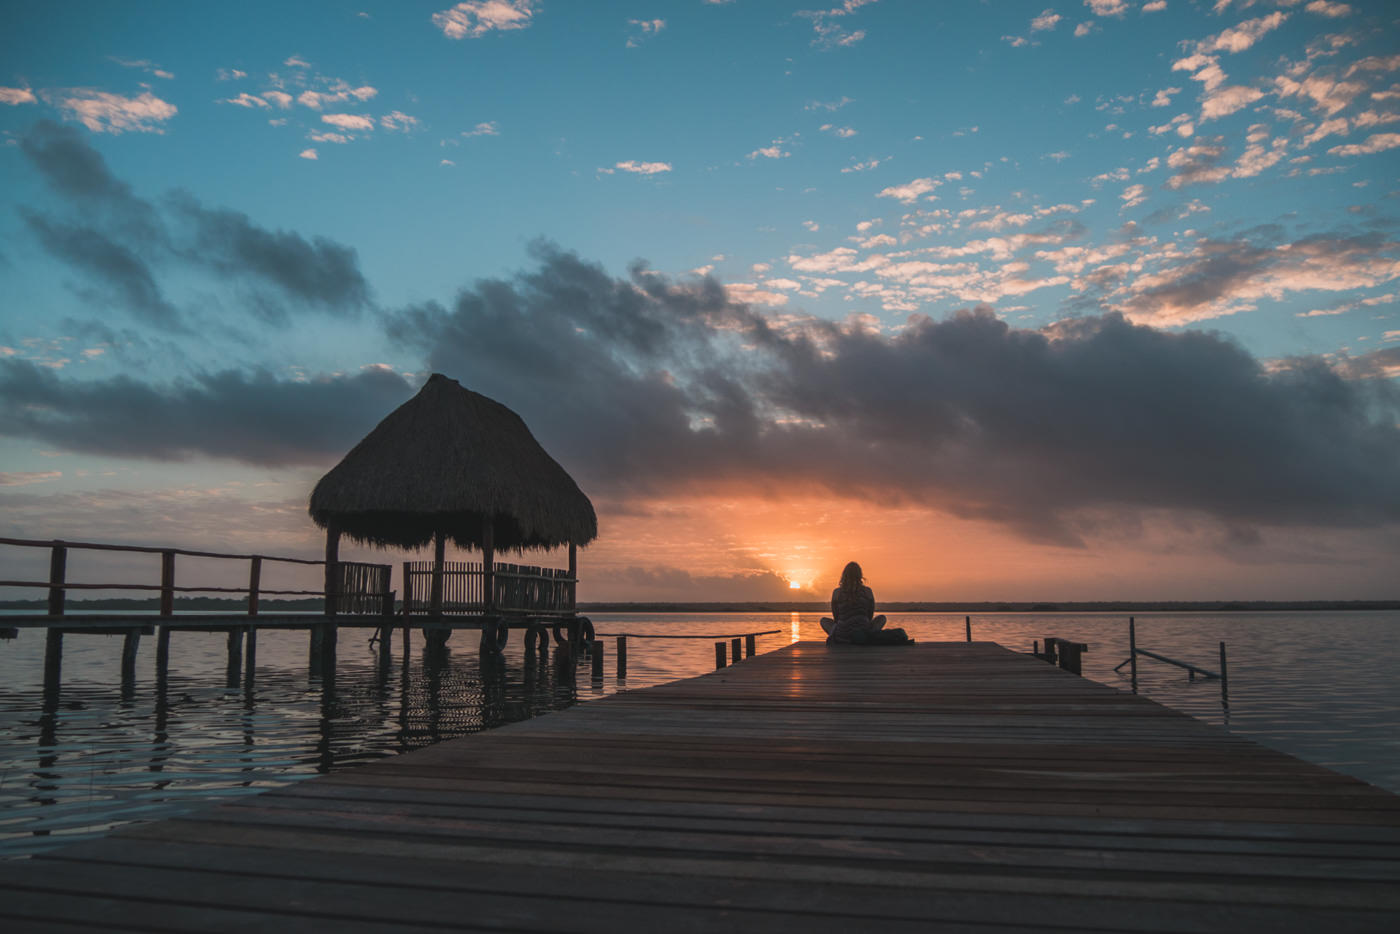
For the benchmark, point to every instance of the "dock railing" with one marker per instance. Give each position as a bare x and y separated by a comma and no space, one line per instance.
516,589
363,588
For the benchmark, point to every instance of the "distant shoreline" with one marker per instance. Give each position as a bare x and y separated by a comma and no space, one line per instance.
215,604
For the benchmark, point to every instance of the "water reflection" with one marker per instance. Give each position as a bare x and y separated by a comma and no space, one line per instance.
82,754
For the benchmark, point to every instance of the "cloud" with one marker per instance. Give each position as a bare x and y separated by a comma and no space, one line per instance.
308,154
282,99
774,151
1222,277
1227,100
476,18
26,478
1328,9
1084,28
643,168
102,112
119,241
398,120
337,91
1133,195
488,128
688,392
829,28
246,100
844,132
253,418
1242,36
828,105
296,61
149,67
646,29
348,121
1046,20
1379,142
1328,95
645,387
16,96
1155,6
911,191
1107,7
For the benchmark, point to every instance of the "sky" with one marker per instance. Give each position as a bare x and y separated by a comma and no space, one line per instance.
1007,301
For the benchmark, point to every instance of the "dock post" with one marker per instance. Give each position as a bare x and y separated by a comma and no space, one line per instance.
1132,651
597,649
234,672
734,652
58,563
163,652
967,622
719,655
53,661
167,583
750,645
1224,680
316,650
1070,657
130,642
254,582
250,655
621,658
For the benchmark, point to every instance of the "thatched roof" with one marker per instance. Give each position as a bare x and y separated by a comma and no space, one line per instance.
442,462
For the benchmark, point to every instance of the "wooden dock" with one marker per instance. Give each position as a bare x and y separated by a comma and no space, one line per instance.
935,787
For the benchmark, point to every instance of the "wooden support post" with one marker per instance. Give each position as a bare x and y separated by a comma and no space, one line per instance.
250,658
407,591
435,591
58,569
597,649
163,652
316,650
750,645
234,670
332,587
405,643
719,655
621,657
254,582
53,659
573,577
1224,679
167,583
130,643
1132,650
734,651
1050,650
967,621
488,563
1070,657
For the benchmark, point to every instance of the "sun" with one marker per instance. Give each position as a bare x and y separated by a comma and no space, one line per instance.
794,585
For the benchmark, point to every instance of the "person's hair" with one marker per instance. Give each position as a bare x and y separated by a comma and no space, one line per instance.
851,577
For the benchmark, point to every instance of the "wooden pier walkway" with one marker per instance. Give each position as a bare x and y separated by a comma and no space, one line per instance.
935,787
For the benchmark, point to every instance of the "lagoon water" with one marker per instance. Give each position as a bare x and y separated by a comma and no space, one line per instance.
1322,686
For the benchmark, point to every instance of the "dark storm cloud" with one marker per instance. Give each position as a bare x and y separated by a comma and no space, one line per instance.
649,387
319,270
128,279
125,243
249,417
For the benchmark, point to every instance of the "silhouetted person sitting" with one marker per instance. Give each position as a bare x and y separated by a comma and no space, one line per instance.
853,610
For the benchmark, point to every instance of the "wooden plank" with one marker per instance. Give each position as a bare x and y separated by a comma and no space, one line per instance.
816,788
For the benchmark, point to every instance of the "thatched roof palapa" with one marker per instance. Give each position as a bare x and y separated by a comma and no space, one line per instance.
442,463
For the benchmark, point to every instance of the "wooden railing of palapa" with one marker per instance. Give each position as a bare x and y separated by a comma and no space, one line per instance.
514,588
